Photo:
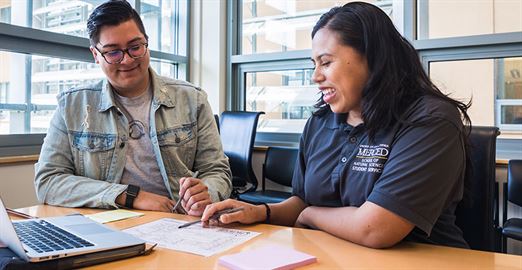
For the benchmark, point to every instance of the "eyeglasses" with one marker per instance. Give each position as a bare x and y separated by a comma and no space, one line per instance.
116,56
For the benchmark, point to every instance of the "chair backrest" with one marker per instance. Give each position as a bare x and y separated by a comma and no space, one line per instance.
279,165
238,133
479,222
216,118
514,191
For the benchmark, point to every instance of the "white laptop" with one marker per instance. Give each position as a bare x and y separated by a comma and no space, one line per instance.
36,240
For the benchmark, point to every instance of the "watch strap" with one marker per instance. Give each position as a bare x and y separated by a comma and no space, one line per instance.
131,194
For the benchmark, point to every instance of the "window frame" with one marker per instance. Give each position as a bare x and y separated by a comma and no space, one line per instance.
430,50
29,41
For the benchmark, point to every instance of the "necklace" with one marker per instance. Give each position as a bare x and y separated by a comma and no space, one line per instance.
136,127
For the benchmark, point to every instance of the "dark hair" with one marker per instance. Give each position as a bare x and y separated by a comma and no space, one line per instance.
396,76
113,12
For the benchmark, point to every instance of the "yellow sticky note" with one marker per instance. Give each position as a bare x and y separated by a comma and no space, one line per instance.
113,215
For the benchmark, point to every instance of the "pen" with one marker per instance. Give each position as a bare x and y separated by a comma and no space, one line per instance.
214,216
178,203
19,214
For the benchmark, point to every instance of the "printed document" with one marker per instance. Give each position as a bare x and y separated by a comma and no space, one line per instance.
193,239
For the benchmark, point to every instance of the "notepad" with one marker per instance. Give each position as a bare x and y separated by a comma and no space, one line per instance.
114,215
268,257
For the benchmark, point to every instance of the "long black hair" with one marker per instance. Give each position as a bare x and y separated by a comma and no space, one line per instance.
396,76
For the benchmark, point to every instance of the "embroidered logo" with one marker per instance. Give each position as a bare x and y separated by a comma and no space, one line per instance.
371,158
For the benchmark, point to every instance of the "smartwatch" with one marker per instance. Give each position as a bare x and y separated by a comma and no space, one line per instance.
131,194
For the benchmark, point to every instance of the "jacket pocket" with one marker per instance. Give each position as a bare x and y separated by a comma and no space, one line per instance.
94,153
178,147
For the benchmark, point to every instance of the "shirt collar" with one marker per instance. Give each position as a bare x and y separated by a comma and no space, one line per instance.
337,120
159,88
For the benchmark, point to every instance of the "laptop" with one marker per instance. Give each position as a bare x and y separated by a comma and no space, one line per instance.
36,240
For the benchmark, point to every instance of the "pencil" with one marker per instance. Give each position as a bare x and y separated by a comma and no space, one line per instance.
214,216
19,214
178,203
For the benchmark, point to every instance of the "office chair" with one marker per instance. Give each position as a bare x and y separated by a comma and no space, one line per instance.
279,167
216,118
238,133
479,221
512,228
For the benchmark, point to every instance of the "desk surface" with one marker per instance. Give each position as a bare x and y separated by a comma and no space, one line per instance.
331,252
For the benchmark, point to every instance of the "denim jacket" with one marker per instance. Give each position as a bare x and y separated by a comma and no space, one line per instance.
83,155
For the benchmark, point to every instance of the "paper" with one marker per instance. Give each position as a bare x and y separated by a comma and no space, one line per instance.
268,257
108,216
193,239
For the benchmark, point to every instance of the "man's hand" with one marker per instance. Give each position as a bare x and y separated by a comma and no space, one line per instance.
195,195
148,201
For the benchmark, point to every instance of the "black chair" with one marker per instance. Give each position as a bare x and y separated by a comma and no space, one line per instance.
278,167
479,221
216,118
238,133
512,228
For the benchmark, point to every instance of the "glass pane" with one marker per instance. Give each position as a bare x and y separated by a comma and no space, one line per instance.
36,80
164,68
163,21
494,86
278,26
59,16
511,114
40,120
443,18
287,98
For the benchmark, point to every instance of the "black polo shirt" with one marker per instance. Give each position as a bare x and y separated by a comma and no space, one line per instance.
414,169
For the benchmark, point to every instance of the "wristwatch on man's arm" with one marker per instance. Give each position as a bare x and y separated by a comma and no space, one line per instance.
130,194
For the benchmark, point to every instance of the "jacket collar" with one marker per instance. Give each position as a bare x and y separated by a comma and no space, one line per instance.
161,94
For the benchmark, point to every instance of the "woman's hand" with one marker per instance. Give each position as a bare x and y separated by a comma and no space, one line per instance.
303,221
250,213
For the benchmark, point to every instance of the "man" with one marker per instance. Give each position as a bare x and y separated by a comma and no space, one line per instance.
136,139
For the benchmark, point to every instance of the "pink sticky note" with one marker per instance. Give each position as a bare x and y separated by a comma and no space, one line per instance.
268,257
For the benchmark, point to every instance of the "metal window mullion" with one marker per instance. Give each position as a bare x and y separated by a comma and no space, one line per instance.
159,23
233,87
28,87
422,14
19,39
188,38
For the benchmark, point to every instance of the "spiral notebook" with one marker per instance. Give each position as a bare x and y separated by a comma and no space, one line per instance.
268,257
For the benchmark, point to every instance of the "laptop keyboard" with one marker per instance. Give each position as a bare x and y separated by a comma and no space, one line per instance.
43,236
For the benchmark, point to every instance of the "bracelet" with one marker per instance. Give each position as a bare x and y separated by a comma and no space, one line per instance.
268,212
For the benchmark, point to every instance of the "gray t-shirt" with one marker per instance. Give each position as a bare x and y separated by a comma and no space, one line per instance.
141,168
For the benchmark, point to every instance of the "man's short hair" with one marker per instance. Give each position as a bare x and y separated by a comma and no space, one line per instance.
112,13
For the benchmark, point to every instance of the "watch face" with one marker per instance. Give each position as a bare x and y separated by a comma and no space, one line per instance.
133,190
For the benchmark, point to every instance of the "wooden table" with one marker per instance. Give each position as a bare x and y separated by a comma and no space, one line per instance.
331,252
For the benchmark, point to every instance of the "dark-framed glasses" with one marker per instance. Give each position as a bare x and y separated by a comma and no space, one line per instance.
117,55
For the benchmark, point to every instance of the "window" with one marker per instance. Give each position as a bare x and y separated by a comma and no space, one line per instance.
44,50
279,26
439,19
286,97
471,49
501,107
270,63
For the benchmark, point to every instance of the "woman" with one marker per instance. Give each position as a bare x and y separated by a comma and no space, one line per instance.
384,156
